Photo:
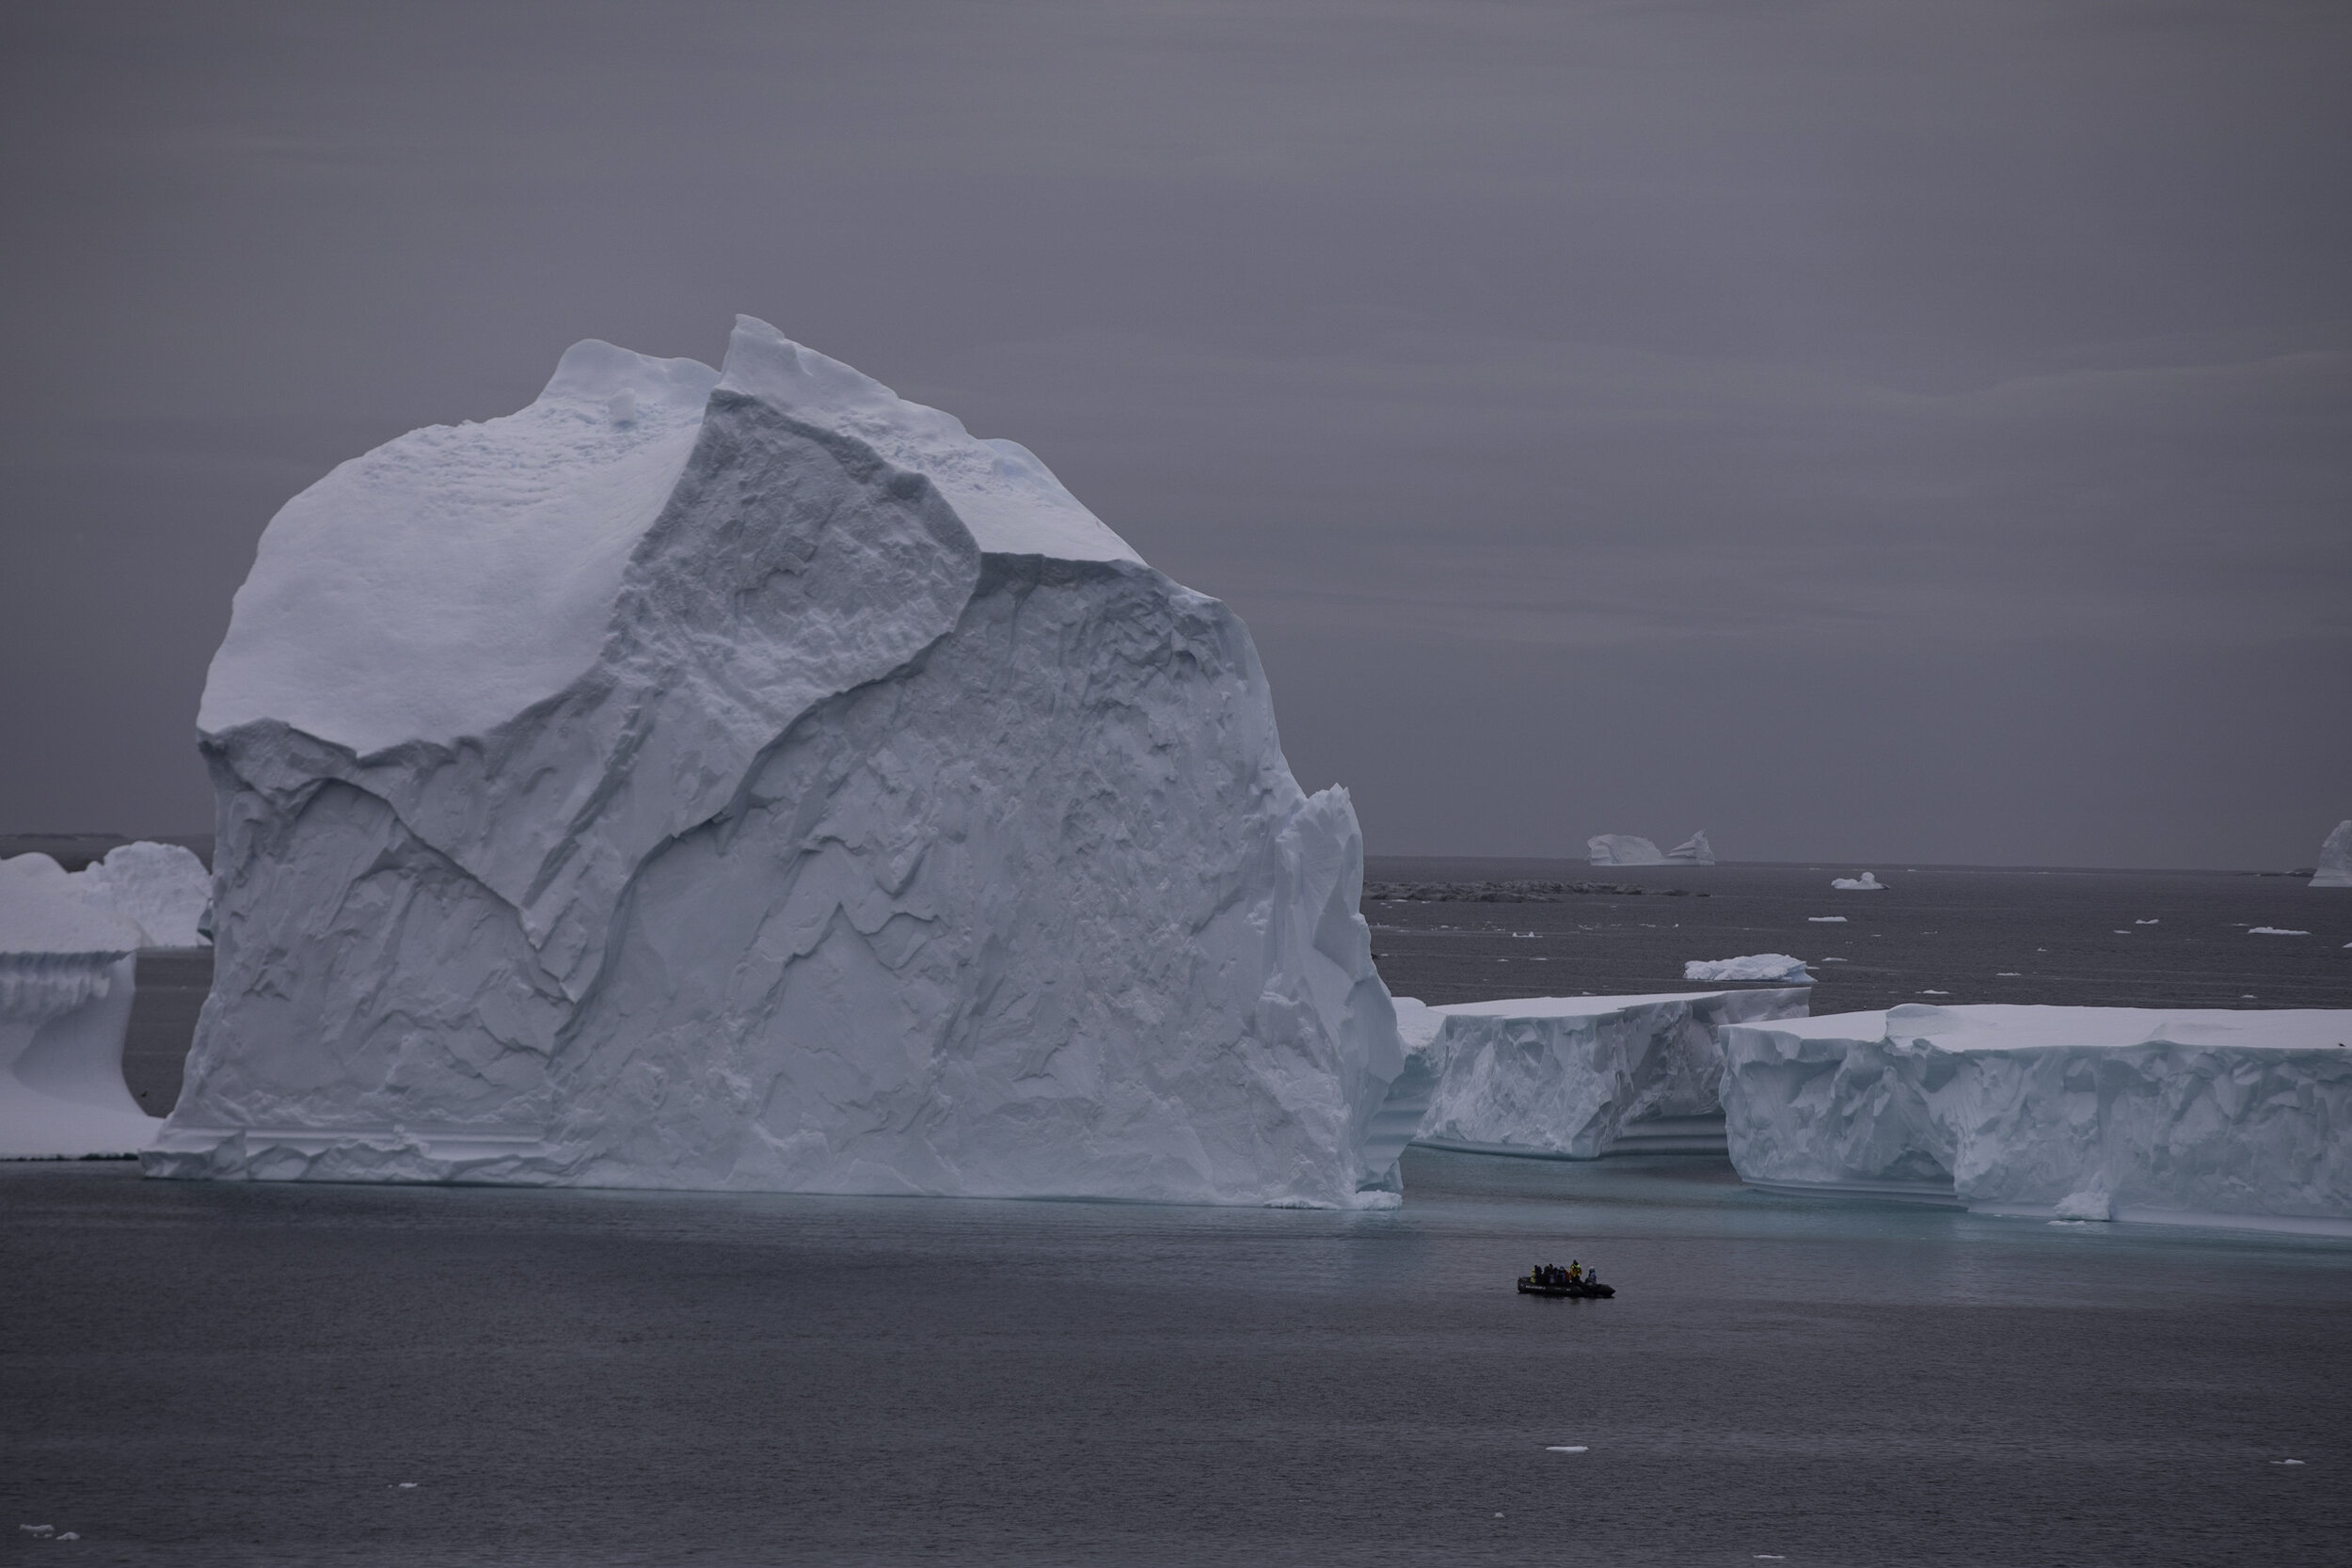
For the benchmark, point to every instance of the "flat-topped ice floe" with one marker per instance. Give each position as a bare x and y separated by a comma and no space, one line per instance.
1579,1077
748,779
68,957
1752,966
2188,1116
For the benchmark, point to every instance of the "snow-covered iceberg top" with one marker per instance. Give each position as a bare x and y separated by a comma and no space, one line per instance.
2335,857
1868,883
1579,1077
748,779
2188,1116
1753,966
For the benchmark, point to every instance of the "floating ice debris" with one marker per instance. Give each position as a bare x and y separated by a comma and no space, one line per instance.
2006,975
1867,882
1770,1557
2273,931
77,1535
2122,933
1835,960
1754,966
37,1530
407,1486
1578,1448
2143,922
1936,993
2286,1462
1826,919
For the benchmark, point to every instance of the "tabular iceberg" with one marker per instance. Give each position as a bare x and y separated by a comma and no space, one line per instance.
1579,1077
2192,1118
1754,966
68,957
2335,857
750,780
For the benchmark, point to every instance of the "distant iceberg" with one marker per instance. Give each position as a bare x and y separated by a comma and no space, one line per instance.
2190,1116
1694,850
1756,966
1579,1077
1622,849
2335,859
67,972
1867,882
1628,850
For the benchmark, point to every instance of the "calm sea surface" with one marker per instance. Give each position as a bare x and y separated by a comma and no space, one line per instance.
1951,934
202,1374
222,1375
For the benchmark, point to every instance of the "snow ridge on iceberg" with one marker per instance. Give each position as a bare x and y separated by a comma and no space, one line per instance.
879,823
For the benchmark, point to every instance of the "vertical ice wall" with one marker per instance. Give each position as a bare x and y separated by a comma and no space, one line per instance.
2200,1117
751,780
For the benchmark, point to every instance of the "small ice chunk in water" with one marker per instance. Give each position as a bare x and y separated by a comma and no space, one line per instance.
37,1530
407,1486
2286,1462
1825,919
77,1535
1566,1448
2273,931
2144,922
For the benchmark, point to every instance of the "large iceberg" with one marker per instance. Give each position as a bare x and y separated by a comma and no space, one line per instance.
68,960
1579,1077
2335,857
2191,1116
161,888
747,778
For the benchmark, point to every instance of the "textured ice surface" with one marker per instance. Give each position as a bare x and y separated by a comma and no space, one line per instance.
752,781
2193,1116
2335,857
1581,1076
1868,883
1754,966
66,958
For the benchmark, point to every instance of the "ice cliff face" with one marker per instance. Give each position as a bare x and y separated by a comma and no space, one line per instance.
1578,1077
2335,859
2205,1118
750,780
67,962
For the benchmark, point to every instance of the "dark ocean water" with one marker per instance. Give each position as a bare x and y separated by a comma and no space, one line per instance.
202,1374
206,1375
1938,934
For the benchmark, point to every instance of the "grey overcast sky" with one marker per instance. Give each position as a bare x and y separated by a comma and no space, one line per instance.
1878,431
